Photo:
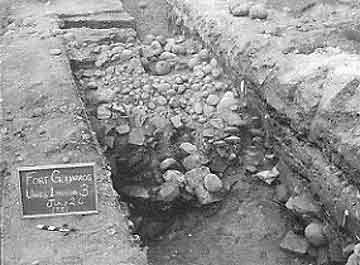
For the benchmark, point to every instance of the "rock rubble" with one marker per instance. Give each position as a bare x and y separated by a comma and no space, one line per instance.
167,117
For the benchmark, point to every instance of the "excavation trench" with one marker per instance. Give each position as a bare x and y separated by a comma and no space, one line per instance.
188,145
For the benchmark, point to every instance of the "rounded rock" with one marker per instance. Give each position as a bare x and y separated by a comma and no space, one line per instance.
167,56
240,9
168,163
162,68
162,101
103,112
204,54
178,80
216,73
156,48
161,39
212,100
174,176
258,12
213,183
315,235
228,100
171,92
169,191
179,49
151,105
126,54
92,85
205,94
148,39
219,86
195,87
189,148
199,74
193,62
207,69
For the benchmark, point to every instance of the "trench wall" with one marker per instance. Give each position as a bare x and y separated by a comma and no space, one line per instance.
304,73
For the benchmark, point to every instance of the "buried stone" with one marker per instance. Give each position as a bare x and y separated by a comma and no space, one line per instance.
168,163
169,191
212,183
303,204
294,243
188,148
268,176
194,180
174,176
103,112
167,56
227,102
205,197
136,137
123,129
194,161
258,12
162,68
195,177
176,121
212,100
315,235
239,9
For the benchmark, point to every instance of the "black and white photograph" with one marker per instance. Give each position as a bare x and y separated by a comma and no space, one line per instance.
179,132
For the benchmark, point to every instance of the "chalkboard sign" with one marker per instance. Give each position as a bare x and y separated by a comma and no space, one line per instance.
57,190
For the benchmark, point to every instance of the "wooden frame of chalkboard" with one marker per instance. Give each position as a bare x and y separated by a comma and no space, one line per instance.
93,209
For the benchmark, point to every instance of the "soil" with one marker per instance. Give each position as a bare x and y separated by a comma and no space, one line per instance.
244,228
153,17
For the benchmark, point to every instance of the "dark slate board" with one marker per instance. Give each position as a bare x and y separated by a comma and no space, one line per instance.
56,190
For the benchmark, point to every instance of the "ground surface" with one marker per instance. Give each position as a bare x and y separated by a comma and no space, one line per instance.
43,123
246,230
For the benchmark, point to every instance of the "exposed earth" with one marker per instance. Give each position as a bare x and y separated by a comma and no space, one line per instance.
224,131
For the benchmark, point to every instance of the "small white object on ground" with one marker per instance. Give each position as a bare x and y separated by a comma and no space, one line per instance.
268,176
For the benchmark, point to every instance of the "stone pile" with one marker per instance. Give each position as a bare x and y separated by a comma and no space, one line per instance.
143,94
171,124
166,115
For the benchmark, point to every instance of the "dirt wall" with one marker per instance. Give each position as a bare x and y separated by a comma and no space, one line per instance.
304,68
